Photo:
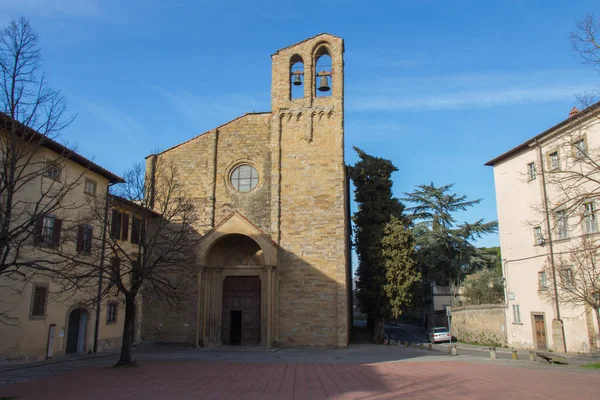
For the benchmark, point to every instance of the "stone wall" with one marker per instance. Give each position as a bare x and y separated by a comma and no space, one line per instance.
483,324
309,189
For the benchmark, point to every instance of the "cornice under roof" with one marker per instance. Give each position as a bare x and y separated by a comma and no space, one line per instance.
575,118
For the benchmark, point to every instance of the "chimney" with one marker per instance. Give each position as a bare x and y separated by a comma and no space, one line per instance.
573,112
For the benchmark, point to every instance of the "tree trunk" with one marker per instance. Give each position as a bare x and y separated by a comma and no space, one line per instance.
125,358
379,325
597,311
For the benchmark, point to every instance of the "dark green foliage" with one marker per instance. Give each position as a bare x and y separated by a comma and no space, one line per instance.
484,287
400,269
445,251
493,259
376,205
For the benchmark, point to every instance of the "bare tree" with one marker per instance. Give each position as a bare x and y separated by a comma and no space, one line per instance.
586,44
578,278
31,116
147,228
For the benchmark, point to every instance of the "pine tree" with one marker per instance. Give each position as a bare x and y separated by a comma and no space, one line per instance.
445,250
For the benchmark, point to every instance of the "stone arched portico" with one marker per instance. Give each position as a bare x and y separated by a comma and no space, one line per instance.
235,248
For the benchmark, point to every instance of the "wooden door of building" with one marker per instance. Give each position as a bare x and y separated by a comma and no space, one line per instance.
540,332
241,310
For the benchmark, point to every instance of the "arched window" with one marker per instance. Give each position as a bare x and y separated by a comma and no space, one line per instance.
296,77
323,76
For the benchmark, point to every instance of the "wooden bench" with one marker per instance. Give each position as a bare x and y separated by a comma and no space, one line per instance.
552,358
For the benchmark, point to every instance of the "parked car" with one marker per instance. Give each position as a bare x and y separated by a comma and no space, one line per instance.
440,334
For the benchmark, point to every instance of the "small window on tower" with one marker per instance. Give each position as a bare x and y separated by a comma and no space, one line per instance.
296,77
323,76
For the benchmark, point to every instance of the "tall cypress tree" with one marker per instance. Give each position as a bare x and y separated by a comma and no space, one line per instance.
376,207
402,277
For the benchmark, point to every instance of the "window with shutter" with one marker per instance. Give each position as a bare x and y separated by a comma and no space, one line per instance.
80,239
89,187
516,314
562,226
88,235
542,281
136,230
566,274
125,227
115,269
111,312
84,239
589,218
38,229
56,232
115,226
539,237
47,229
39,300
579,148
531,171
553,162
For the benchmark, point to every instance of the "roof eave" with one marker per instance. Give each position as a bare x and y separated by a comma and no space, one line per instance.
576,118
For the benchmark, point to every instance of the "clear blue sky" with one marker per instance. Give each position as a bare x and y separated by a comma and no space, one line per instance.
437,87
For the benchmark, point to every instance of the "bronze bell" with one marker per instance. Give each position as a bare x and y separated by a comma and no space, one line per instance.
324,84
297,81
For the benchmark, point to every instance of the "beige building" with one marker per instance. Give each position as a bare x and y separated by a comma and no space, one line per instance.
547,197
272,264
40,318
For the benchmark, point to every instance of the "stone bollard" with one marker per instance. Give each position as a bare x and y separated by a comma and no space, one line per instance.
453,350
514,355
406,344
422,346
492,353
429,347
531,355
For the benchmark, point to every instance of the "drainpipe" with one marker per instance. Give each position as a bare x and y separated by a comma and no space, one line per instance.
100,270
505,284
550,242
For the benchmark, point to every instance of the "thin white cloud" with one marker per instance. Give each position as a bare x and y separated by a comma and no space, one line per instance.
195,107
113,117
78,8
377,129
464,90
464,99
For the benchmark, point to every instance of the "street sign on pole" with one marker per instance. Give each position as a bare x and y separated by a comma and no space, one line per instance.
449,314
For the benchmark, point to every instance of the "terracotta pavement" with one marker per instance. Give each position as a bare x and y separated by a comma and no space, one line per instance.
387,380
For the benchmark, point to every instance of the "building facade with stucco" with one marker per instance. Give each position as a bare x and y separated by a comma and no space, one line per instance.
41,317
547,200
272,262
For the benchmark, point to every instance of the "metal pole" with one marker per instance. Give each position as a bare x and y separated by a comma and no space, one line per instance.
545,192
100,270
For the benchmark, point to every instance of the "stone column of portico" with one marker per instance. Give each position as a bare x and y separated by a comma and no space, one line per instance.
269,308
212,299
198,311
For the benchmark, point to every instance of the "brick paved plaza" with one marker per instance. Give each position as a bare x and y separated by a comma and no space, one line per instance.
244,380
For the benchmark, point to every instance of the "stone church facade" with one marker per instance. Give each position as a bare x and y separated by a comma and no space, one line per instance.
273,266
